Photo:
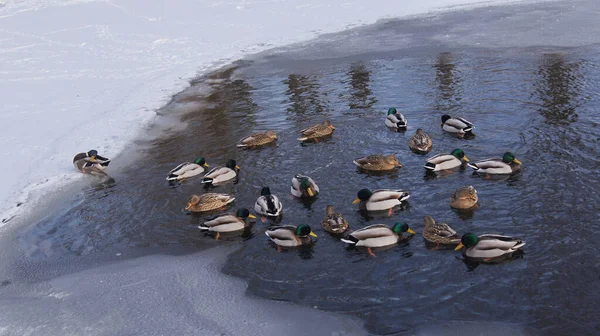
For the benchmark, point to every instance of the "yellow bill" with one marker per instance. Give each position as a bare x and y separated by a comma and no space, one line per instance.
459,246
516,161
411,231
310,192
251,216
312,234
237,167
356,201
466,158
206,165
92,158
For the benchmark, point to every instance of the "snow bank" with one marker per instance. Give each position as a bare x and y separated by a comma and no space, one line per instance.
77,75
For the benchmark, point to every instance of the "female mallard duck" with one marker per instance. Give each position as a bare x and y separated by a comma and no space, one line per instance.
508,164
220,175
334,222
378,162
460,126
378,235
187,169
395,120
313,133
267,204
382,199
446,161
439,233
304,187
257,139
290,236
464,198
91,163
228,222
489,246
208,202
420,142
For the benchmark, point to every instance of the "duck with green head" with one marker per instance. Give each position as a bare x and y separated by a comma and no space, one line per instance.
488,246
508,164
228,222
220,175
378,200
268,204
304,187
459,126
396,120
291,236
187,169
378,235
91,163
446,161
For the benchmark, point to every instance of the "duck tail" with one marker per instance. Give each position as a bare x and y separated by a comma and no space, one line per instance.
203,228
519,244
404,196
172,177
429,166
207,180
401,124
472,165
350,240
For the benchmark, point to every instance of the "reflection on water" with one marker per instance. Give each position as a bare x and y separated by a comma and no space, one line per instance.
559,88
448,83
361,96
552,203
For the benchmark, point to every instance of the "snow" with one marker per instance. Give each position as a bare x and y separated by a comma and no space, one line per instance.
78,75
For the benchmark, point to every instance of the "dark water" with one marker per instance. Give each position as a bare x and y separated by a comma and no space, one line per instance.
538,102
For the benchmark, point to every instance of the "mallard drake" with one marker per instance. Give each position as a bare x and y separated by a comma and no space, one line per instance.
464,198
460,126
382,199
290,236
304,187
489,246
420,142
208,202
187,169
439,233
508,164
228,222
378,162
91,163
334,222
378,235
220,175
268,204
446,161
395,120
317,131
257,139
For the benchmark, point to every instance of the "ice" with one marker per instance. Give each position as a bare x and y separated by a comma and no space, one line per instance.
77,75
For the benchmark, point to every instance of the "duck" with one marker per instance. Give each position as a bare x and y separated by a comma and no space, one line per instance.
377,235
208,202
377,162
334,222
257,139
315,132
420,142
187,169
228,222
488,246
304,186
395,120
459,126
382,199
446,161
219,175
291,236
268,204
91,163
508,164
464,198
439,233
